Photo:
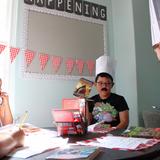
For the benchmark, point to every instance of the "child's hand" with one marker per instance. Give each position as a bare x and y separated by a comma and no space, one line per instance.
18,136
5,99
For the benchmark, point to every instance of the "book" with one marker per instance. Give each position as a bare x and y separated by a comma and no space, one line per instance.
142,132
73,103
77,152
100,127
83,88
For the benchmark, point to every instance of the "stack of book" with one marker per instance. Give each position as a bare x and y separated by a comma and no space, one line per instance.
72,118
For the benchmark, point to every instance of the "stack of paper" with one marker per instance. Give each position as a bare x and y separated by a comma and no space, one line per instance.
121,143
37,142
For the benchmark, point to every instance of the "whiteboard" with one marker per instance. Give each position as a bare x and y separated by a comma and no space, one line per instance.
62,35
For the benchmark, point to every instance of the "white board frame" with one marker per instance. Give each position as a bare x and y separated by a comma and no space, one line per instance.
27,9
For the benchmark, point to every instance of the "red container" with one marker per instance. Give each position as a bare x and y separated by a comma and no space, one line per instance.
69,121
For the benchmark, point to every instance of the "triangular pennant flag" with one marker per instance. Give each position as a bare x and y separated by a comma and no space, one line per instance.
43,58
90,66
13,53
29,55
80,65
2,47
69,65
56,62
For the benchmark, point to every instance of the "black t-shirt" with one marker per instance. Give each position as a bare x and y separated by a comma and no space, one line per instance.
108,109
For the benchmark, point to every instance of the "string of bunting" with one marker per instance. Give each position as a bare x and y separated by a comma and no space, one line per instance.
56,61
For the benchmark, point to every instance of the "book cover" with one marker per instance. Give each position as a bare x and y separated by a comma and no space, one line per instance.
75,152
83,88
142,132
74,103
100,127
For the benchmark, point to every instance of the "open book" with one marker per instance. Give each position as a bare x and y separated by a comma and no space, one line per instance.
83,88
100,127
75,152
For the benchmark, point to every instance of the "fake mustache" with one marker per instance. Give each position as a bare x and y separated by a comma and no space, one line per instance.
104,89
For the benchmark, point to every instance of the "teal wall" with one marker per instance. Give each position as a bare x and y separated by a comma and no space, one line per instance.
137,72
124,52
128,41
147,64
